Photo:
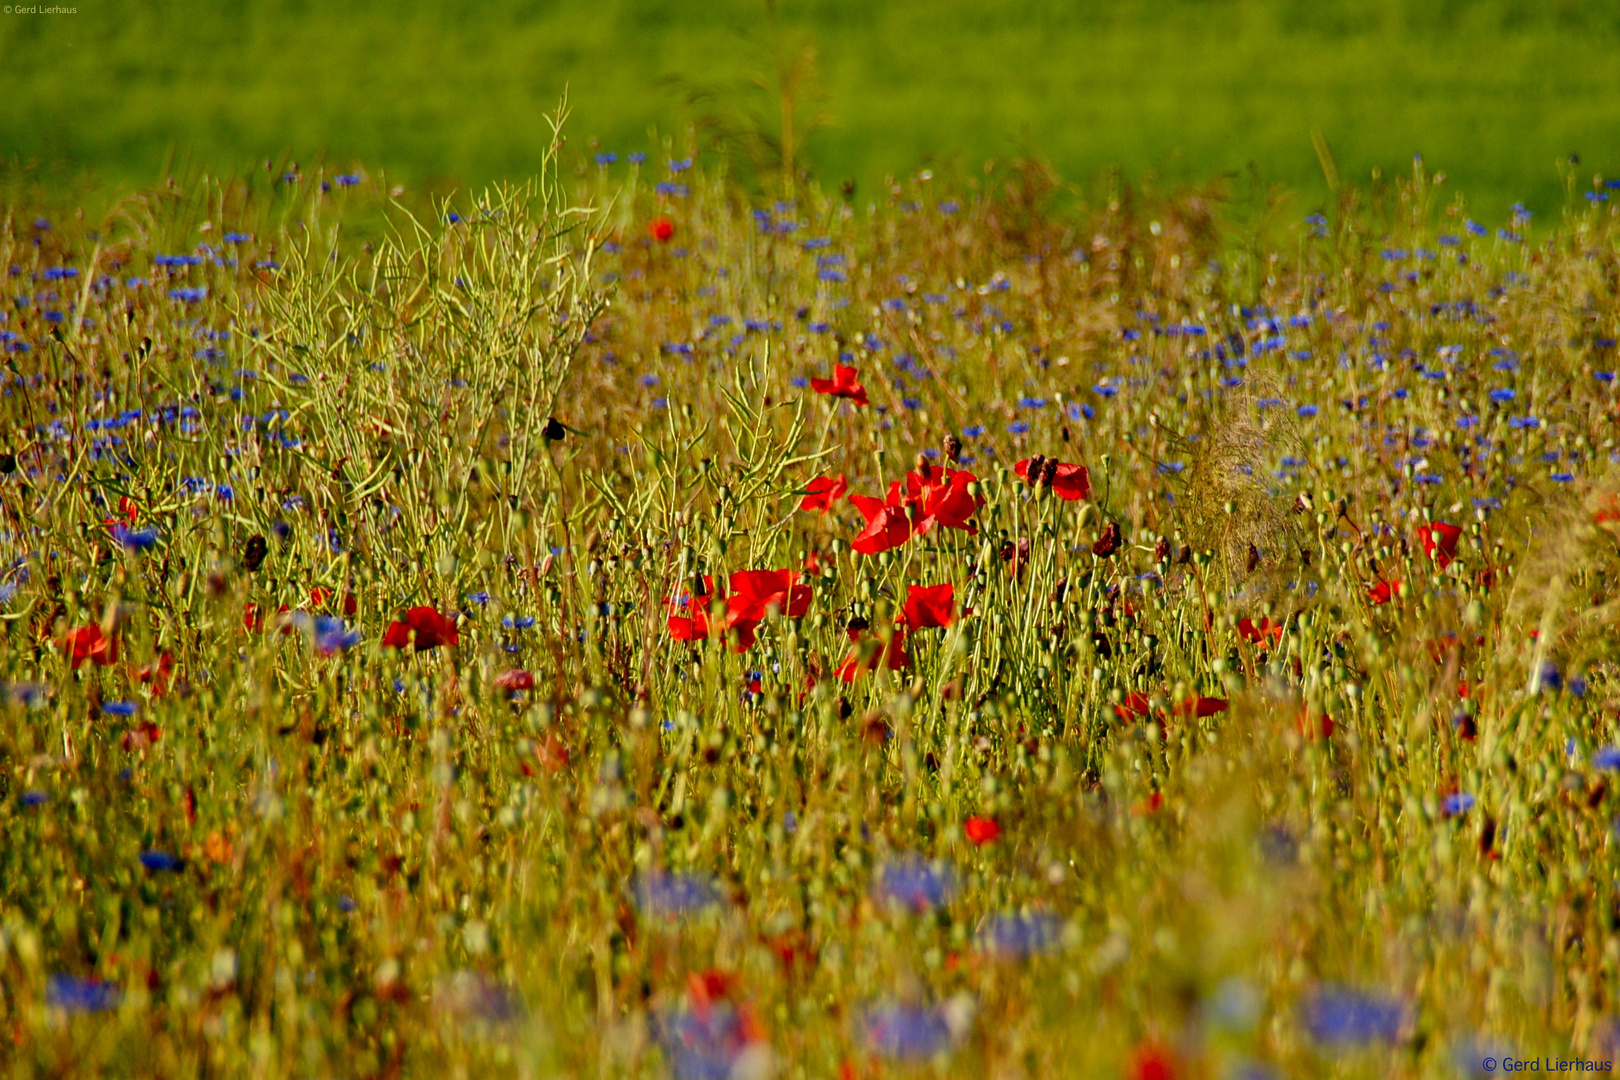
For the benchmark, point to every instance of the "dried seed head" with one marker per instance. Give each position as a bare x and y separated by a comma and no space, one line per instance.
1108,542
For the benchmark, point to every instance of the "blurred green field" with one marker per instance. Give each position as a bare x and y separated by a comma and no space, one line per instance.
1493,93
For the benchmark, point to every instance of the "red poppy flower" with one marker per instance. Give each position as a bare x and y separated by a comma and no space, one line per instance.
515,679
929,606
424,627
253,618
157,673
981,830
812,563
1201,707
694,625
887,525
89,643
1260,631
1150,1061
661,229
843,384
756,594
1070,483
320,596
1384,592
141,736
864,657
823,491
1439,542
1321,726
942,498
1134,707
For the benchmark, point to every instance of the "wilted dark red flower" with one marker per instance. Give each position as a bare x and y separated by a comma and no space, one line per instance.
1260,631
929,606
843,384
981,830
1108,542
422,626
1439,542
661,229
141,736
515,679
89,643
1070,482
823,491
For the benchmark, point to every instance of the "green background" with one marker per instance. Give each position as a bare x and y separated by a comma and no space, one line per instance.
1493,92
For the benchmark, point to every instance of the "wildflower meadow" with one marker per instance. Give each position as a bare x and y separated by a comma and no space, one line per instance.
622,624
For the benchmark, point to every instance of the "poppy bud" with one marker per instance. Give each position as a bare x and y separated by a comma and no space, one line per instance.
254,551
953,448
553,431
8,464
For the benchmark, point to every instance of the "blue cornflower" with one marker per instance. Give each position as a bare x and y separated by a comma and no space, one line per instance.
348,180
1307,411
73,994
160,861
1018,427
1080,411
135,539
1021,935
332,636
636,157
1456,804
518,622
606,158
1336,1016
680,166
949,206
1032,402
917,883
121,708
704,1044
1607,758
973,431
479,598
907,1032
1503,394
33,797
663,893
